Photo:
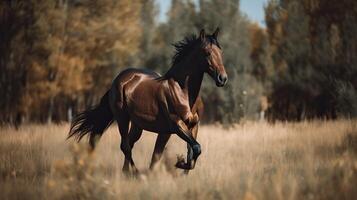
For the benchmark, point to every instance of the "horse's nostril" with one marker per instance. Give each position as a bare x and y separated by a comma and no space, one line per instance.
222,79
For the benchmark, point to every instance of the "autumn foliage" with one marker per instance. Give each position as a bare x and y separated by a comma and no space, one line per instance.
58,57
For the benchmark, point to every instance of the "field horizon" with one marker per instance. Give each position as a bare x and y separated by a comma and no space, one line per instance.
304,160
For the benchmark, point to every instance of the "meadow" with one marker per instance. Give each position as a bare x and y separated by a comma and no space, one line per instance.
305,160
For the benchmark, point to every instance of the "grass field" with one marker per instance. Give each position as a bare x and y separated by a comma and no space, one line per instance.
307,160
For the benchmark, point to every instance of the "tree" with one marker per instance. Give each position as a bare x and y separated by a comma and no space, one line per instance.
314,56
54,51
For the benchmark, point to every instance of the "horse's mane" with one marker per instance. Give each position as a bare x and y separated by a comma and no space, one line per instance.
184,47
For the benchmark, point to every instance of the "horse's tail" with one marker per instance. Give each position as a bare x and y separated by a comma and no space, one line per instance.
93,121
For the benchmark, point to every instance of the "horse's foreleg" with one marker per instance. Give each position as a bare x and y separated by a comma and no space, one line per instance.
184,133
160,144
194,131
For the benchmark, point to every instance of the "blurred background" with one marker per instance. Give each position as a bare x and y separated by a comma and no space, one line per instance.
286,59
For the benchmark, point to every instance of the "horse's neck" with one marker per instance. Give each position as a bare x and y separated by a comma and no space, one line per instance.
194,86
190,84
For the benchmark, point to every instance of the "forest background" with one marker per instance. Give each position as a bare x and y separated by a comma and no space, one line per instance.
58,57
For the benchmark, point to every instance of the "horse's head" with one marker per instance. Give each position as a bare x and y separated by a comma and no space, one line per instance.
211,54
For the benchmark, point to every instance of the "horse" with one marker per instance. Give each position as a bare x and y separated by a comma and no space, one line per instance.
166,105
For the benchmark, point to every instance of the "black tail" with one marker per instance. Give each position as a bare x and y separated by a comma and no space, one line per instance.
93,121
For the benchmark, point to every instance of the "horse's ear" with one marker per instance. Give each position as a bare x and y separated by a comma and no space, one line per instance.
216,32
202,35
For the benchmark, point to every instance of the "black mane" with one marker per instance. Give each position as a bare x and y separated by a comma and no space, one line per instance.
184,47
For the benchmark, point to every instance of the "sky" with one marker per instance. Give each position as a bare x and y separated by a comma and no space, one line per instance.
253,9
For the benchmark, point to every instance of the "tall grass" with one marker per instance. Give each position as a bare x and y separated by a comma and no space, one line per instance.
307,160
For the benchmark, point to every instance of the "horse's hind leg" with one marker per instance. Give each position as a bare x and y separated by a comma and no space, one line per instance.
134,135
123,123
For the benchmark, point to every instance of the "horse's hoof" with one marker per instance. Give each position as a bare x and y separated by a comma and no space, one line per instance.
183,165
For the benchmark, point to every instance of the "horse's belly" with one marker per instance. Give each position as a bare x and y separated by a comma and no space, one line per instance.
150,122
156,126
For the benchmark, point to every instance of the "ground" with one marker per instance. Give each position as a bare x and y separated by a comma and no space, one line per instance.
306,160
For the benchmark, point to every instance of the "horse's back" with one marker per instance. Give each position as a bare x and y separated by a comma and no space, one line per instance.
138,71
130,77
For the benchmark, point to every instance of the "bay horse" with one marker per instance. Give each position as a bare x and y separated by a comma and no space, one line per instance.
168,104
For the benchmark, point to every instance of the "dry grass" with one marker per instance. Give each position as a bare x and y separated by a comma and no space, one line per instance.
308,160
